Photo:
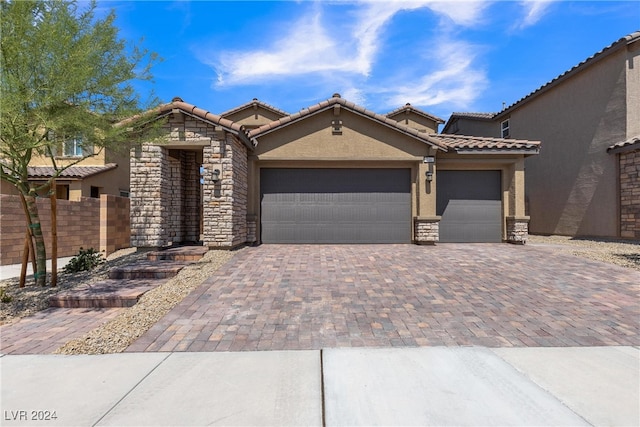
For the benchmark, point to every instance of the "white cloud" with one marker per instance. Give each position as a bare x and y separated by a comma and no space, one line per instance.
457,81
305,48
313,46
534,10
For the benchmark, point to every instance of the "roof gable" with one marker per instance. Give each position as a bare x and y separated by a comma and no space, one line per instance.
177,105
252,108
337,102
408,109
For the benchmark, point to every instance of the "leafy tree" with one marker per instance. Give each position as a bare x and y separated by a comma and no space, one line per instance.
65,74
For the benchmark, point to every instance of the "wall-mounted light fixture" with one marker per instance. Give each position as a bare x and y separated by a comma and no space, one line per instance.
215,176
430,160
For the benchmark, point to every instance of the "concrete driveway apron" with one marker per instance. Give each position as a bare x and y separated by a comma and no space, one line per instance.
303,297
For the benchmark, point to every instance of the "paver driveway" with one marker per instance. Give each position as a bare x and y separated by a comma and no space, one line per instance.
317,296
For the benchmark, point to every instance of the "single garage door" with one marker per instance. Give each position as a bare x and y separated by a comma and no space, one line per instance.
335,205
470,205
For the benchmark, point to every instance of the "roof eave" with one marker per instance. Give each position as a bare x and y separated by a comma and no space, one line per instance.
598,56
506,151
396,126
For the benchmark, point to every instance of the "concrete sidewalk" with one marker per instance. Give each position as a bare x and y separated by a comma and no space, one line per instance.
341,386
13,270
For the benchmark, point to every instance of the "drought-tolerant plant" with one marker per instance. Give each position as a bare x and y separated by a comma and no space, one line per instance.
86,259
4,297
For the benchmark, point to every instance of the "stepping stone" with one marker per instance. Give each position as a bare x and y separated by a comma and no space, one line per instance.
185,253
105,294
148,270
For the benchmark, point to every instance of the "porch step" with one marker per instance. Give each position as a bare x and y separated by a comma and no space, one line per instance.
105,294
148,270
184,253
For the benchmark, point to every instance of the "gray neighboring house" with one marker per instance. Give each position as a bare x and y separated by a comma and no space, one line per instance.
585,182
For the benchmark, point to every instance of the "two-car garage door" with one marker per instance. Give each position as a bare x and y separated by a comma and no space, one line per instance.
374,205
335,205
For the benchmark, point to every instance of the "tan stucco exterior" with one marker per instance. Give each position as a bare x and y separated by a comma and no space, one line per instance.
573,185
360,143
114,181
329,135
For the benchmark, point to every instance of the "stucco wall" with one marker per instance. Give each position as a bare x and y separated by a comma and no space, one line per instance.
571,184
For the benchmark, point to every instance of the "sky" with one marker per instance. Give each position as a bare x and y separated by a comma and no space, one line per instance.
439,56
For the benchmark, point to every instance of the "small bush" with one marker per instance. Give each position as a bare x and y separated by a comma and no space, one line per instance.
84,261
4,297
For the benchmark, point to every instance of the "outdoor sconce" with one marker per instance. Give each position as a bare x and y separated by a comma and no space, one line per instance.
430,160
215,176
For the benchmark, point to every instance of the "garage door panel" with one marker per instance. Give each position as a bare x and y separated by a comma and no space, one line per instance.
465,221
336,205
470,205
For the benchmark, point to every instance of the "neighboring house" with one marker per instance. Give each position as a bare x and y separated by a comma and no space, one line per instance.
107,172
585,182
334,172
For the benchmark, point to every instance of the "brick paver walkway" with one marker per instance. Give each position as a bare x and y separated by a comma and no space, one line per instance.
275,297
48,330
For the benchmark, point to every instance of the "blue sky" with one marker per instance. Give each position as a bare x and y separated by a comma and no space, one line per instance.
440,56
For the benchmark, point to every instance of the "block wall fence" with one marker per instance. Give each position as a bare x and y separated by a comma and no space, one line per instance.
102,224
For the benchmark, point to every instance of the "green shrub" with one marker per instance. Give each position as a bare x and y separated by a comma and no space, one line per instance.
4,297
84,261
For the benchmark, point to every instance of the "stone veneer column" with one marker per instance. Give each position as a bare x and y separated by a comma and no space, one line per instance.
517,229
426,230
191,197
149,173
225,202
630,194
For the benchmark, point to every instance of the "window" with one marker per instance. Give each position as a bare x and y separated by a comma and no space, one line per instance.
76,147
62,192
504,128
95,192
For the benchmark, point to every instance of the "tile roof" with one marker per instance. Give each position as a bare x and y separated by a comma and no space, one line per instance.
477,143
481,116
73,172
410,108
337,100
630,143
192,110
250,104
613,47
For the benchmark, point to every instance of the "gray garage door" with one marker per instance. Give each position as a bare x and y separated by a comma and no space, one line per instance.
335,205
470,205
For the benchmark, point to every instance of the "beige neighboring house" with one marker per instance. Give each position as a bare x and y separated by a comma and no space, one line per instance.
334,172
107,172
585,182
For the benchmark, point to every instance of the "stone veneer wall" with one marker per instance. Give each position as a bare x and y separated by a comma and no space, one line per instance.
630,194
225,202
148,219
165,188
517,229
191,202
426,230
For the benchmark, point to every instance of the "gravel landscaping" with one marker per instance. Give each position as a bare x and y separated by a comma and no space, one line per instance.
625,253
31,299
117,334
